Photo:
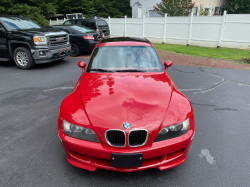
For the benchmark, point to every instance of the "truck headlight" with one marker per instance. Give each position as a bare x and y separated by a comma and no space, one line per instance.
79,132
173,131
40,40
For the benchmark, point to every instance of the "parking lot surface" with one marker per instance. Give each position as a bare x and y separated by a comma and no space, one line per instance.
31,153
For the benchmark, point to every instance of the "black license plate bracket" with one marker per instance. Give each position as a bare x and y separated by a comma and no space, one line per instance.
126,160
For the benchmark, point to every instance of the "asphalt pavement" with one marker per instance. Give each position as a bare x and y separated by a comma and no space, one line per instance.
31,153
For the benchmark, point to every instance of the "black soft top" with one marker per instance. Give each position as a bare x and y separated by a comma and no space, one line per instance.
125,39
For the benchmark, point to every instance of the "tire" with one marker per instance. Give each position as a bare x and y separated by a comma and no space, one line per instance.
23,58
74,50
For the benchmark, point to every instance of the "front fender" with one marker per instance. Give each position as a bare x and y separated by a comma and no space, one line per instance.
179,110
73,111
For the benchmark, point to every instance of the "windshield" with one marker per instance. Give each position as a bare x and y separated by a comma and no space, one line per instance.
125,59
13,23
78,30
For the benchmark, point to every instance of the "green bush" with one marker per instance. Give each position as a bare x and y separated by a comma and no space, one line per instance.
36,10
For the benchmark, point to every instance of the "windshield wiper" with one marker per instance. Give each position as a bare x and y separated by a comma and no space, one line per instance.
130,70
102,70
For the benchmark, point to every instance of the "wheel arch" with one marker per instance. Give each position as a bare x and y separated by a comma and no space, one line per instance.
15,44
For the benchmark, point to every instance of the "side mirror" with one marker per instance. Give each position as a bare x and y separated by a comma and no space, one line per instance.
168,64
82,65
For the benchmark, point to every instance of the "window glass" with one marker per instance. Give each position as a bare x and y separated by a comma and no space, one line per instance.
195,10
19,23
127,58
89,24
69,22
102,23
63,29
207,10
78,30
217,11
79,23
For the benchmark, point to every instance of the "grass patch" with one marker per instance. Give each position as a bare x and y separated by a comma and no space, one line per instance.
219,53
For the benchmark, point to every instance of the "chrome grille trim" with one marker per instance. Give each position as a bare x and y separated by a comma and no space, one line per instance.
146,139
107,140
54,43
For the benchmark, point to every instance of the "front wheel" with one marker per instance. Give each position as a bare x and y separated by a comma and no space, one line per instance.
23,58
74,50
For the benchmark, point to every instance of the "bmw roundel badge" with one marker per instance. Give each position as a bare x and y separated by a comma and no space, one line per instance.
126,125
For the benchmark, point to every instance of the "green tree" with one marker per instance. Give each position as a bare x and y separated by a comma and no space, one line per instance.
104,8
203,12
237,6
37,10
174,7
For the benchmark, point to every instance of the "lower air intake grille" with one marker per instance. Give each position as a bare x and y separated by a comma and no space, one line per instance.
137,138
116,138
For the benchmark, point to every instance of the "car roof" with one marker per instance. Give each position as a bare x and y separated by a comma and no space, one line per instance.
91,19
124,41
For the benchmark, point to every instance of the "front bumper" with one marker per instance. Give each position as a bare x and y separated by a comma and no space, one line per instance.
88,45
49,55
90,155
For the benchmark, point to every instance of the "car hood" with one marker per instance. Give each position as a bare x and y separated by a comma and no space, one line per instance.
39,32
110,99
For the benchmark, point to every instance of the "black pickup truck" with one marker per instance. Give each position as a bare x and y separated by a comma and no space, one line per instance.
28,43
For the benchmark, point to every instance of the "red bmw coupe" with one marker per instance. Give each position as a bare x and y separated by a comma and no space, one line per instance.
125,113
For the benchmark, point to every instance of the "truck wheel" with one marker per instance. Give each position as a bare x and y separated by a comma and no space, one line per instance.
74,50
23,58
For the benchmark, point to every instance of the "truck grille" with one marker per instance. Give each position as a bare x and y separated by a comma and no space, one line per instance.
137,138
116,138
58,40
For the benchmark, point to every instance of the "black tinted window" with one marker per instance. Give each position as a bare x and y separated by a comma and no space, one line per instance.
129,58
102,23
79,23
69,22
89,24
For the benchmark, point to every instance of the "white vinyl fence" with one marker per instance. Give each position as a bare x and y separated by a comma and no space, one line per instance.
57,22
229,30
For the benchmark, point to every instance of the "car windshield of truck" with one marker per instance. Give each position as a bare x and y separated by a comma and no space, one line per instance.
125,59
13,23
79,29
102,23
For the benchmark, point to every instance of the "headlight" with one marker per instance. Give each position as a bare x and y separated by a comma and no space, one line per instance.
173,131
79,132
40,40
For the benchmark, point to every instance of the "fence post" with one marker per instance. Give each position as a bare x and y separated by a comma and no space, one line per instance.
222,27
57,21
143,25
125,26
165,28
109,27
190,28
